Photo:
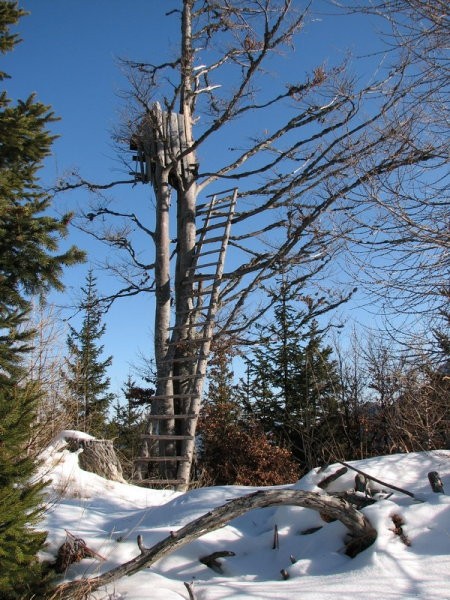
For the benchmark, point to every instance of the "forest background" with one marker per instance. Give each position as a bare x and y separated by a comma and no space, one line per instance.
75,57
70,55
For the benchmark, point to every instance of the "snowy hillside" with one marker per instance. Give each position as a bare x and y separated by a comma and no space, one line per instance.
109,516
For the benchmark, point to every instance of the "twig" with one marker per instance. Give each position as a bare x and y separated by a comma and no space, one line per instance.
190,589
140,544
212,562
389,485
276,539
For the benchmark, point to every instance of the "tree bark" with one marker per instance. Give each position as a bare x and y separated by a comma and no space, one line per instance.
361,531
99,457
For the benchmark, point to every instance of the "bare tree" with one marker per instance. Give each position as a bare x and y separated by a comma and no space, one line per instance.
393,400
44,365
405,257
318,141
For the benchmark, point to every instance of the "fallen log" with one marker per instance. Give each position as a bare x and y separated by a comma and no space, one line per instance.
362,534
324,483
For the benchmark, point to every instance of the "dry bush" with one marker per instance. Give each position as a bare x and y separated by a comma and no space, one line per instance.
239,452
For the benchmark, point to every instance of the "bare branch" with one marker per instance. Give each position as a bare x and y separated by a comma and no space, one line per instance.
362,532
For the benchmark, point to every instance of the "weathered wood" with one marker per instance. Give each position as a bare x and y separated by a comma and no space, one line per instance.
99,457
190,590
276,538
361,483
212,560
436,482
362,534
389,485
355,499
324,483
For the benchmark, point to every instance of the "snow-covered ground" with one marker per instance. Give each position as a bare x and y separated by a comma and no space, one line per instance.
109,516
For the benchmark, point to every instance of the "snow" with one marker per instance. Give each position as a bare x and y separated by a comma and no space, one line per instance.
109,516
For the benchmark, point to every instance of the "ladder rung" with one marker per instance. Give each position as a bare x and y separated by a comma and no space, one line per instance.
215,251
213,205
204,266
203,292
162,459
193,341
204,307
179,377
165,436
172,396
186,326
213,240
211,213
199,277
169,417
206,228
179,360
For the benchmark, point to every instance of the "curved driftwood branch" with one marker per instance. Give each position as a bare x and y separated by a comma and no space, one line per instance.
362,534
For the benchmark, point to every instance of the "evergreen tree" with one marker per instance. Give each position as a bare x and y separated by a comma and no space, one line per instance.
318,395
234,448
128,422
293,385
86,371
29,264
20,501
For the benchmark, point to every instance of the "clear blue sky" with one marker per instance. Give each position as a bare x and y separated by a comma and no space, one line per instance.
69,57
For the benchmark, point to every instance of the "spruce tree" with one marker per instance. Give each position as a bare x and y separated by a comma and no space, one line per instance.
86,370
293,384
29,264
234,448
128,422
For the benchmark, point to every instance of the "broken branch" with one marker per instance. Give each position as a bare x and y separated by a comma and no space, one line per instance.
389,485
361,532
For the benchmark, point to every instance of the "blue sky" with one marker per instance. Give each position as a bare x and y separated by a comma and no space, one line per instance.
70,57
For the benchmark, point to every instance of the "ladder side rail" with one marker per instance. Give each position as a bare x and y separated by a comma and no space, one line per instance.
202,234
188,445
203,350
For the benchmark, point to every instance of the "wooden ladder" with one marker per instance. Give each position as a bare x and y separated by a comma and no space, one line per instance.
212,241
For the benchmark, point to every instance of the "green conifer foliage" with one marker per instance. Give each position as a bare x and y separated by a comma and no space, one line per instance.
29,264
128,423
292,386
86,371
234,449
20,501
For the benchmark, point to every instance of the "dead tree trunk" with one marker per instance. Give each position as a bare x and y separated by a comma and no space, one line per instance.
362,534
97,456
